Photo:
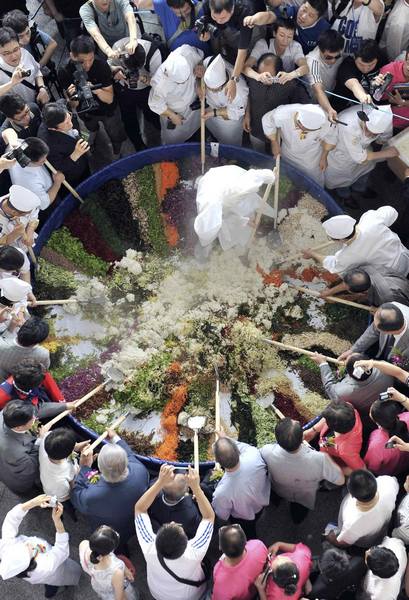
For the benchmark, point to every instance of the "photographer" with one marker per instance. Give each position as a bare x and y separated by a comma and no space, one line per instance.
108,21
223,25
18,22
396,95
89,70
178,20
132,75
34,175
67,151
19,71
23,117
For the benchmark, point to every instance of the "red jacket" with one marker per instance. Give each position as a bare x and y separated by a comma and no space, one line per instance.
47,391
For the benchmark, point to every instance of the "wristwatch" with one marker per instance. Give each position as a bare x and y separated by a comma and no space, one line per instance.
42,87
235,79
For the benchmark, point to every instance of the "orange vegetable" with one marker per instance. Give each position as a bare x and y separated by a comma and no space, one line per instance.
275,277
169,178
167,450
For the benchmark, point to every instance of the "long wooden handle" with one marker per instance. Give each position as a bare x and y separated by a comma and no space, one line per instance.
50,302
276,190
315,249
300,350
217,406
203,125
102,437
260,213
65,183
196,451
316,294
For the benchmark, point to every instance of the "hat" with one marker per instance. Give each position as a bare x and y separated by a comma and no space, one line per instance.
14,560
14,289
312,117
379,120
177,68
22,199
339,227
215,74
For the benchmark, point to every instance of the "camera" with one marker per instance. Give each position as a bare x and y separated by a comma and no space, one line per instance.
389,445
383,396
377,91
18,154
203,25
25,72
130,69
84,94
53,501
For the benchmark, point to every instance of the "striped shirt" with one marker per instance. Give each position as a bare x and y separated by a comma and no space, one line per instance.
161,584
320,71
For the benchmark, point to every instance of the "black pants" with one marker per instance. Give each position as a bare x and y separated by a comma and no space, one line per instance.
50,590
249,527
130,102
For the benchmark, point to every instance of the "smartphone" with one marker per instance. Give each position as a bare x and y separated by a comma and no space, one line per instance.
389,445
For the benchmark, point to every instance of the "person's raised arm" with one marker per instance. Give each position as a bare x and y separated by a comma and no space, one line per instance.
260,18
281,547
323,101
384,367
133,32
376,6
358,91
166,476
205,508
143,4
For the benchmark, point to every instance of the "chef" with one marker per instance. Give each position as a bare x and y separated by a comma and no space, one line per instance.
352,160
14,299
227,201
18,219
224,119
306,134
34,556
173,94
370,241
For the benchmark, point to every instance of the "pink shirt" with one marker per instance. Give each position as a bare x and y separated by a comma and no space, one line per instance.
302,558
236,582
347,445
386,461
396,69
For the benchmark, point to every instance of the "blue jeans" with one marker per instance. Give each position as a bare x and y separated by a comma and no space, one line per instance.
360,185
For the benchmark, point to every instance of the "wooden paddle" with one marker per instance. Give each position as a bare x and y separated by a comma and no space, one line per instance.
299,254
301,351
276,189
104,435
202,125
65,183
316,294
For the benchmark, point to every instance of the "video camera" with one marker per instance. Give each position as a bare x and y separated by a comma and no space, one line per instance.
204,25
84,95
18,154
130,67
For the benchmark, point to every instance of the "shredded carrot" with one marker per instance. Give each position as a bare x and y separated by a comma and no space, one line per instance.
275,277
171,232
167,450
169,177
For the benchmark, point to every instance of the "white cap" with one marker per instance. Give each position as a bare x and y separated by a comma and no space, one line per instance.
14,289
14,560
22,199
177,68
379,120
215,74
312,117
339,227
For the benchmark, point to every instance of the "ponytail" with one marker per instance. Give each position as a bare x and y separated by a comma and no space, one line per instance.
385,414
94,557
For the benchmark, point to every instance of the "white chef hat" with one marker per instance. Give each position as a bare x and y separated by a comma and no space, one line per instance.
311,117
22,199
215,74
177,67
379,120
14,289
339,227
14,560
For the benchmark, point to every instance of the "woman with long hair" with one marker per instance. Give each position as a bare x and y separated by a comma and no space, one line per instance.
110,578
379,458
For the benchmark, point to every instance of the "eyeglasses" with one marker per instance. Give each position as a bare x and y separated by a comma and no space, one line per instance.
332,56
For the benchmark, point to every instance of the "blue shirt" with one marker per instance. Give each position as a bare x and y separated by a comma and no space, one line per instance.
170,22
306,36
45,40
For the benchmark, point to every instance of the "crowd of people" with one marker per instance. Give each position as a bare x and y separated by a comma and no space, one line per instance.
323,84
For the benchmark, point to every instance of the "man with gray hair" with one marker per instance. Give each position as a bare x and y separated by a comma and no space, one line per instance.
110,501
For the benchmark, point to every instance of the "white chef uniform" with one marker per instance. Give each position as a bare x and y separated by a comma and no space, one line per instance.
15,290
24,200
348,161
53,565
174,87
226,131
301,149
375,244
226,200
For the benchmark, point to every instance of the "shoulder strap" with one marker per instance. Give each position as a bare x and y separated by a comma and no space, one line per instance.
96,19
149,55
337,11
179,579
23,81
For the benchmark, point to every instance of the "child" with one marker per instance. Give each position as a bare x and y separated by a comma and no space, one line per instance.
110,578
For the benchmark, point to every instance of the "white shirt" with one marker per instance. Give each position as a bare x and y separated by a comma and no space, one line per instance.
234,496
8,225
36,179
28,63
168,94
301,149
235,109
355,25
291,54
56,477
362,527
387,589
161,584
395,37
320,71
375,244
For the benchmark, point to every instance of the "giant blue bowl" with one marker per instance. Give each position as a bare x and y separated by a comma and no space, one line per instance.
123,167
